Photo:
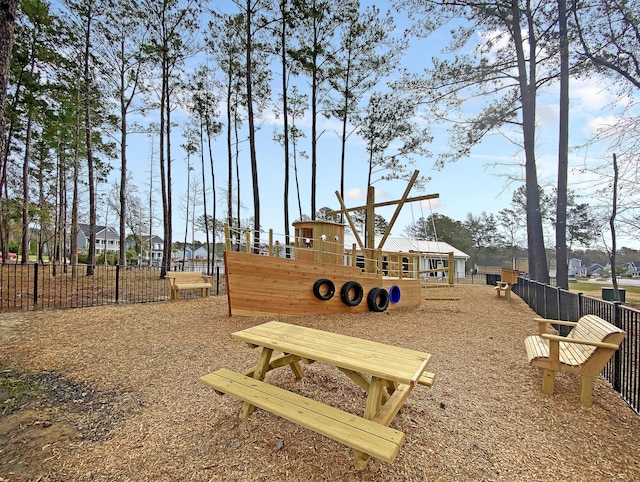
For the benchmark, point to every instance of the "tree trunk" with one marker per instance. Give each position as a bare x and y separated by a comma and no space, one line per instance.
612,226
562,255
169,215
230,163
25,190
166,248
538,268
91,258
252,133
285,110
8,9
204,194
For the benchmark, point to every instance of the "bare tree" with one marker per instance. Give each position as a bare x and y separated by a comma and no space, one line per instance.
122,35
172,24
8,9
562,260
255,69
506,68
225,42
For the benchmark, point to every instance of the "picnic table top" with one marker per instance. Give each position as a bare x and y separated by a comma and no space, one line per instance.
388,362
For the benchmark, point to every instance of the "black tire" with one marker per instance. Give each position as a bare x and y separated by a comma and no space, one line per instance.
345,293
330,289
378,299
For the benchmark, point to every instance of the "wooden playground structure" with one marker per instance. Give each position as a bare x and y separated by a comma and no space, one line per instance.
324,277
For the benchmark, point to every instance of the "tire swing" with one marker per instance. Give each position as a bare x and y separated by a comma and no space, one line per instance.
351,293
324,289
378,299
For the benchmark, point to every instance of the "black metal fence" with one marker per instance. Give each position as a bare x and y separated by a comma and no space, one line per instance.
623,370
38,286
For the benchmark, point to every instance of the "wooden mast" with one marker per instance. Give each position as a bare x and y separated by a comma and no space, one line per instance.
369,248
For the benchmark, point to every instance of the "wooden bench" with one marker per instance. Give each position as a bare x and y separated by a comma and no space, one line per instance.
584,351
187,280
372,438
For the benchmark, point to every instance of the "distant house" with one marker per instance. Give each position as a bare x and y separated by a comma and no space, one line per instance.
151,249
200,253
188,252
633,269
576,269
595,270
107,239
433,254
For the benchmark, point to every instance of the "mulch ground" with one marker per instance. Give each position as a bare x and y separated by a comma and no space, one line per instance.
117,397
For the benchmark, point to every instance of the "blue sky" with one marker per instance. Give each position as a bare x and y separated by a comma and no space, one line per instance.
472,185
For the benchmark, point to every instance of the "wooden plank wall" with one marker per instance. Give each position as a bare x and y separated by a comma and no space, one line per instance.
266,286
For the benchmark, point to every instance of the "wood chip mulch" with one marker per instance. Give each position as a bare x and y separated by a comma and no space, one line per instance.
126,404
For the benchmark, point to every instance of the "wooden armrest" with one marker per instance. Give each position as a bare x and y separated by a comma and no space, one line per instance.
577,341
556,322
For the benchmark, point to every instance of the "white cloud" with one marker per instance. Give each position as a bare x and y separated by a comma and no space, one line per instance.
590,95
355,193
594,124
547,115
431,204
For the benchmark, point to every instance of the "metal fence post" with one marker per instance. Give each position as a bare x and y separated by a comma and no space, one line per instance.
580,310
117,282
617,358
35,284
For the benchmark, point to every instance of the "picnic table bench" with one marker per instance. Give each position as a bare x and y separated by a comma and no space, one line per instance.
503,288
187,280
387,373
584,351
508,278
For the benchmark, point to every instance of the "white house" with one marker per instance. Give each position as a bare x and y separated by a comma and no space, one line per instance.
576,268
433,254
107,239
633,269
151,249
189,253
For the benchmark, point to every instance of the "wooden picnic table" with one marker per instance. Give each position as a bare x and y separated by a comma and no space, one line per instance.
387,373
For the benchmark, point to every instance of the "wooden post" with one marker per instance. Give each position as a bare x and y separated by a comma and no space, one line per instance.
277,248
227,237
248,236
318,244
270,242
370,242
452,268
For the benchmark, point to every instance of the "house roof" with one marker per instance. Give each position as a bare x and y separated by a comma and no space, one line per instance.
399,245
154,239
111,232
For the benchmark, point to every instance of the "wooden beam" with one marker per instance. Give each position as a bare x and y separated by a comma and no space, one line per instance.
398,208
388,203
349,220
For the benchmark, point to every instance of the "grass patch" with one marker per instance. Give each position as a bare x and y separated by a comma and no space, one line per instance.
594,290
16,388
